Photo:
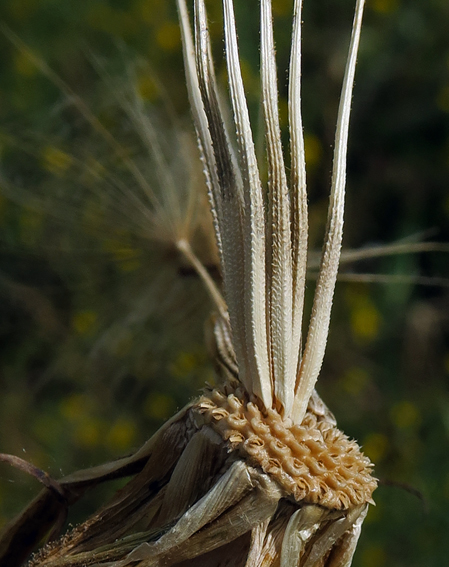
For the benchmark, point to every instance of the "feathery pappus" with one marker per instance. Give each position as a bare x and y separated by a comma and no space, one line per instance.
254,472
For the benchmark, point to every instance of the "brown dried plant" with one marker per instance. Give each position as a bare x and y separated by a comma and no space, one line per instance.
255,472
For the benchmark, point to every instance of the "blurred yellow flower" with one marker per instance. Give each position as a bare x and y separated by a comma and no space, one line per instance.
55,160
168,36
146,87
312,149
150,12
84,322
405,415
74,407
183,365
281,7
121,435
250,79
88,433
375,446
159,406
365,318
128,257
384,6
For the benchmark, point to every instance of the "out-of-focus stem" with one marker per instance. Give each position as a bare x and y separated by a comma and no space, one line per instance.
186,250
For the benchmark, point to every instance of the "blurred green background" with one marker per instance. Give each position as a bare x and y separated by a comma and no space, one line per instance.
102,324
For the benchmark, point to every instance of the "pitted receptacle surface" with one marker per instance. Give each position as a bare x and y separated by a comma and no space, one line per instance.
314,462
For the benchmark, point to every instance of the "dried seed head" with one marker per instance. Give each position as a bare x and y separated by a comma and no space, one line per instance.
315,463
254,472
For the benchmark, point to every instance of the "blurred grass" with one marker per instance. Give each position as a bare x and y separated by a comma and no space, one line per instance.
101,328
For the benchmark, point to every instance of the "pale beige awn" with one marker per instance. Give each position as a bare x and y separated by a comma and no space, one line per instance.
254,472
